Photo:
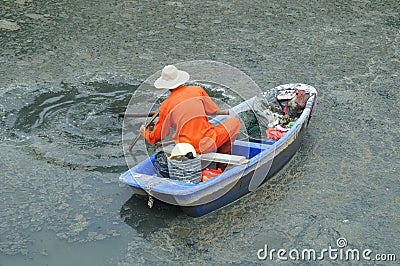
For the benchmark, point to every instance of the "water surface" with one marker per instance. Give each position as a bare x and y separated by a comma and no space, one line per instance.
66,70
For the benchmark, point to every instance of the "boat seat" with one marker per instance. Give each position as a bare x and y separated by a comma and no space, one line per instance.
224,158
216,157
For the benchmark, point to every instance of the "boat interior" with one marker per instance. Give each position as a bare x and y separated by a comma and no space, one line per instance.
243,149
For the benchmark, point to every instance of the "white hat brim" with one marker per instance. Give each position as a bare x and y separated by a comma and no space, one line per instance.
182,77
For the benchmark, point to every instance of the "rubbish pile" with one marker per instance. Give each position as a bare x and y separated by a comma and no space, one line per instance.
274,113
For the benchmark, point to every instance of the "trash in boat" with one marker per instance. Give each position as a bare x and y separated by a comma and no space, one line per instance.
293,102
274,133
286,95
301,99
208,173
279,127
265,112
268,114
161,164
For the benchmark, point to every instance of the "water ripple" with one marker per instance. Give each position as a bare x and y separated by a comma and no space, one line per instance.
76,127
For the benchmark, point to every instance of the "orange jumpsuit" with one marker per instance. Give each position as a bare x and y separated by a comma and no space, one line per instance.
186,110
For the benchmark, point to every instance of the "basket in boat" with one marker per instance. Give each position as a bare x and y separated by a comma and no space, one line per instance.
188,170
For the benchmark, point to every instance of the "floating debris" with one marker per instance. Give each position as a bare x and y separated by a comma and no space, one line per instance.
34,16
180,26
9,25
177,4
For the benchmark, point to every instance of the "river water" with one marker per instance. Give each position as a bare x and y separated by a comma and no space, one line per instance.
68,67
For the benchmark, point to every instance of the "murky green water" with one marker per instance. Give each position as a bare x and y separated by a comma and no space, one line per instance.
66,68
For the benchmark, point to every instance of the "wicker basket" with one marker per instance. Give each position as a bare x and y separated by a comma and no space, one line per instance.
188,171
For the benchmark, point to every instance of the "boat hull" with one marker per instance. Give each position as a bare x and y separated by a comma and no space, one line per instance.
241,188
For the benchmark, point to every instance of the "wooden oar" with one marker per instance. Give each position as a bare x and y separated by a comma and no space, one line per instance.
135,115
219,112
146,126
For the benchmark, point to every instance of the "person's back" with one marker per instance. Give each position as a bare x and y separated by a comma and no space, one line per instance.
186,111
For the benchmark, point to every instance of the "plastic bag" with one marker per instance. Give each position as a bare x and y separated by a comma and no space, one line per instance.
274,133
208,173
161,164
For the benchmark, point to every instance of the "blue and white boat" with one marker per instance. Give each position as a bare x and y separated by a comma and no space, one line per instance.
262,158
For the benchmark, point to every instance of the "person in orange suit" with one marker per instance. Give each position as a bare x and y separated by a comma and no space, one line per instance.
186,110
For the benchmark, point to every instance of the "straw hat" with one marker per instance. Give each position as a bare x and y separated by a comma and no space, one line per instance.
171,78
183,149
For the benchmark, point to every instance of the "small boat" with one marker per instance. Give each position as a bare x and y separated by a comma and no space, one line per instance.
252,162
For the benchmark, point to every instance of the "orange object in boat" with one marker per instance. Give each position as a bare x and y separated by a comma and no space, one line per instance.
207,173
